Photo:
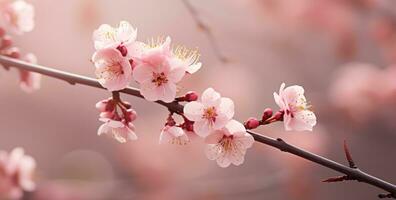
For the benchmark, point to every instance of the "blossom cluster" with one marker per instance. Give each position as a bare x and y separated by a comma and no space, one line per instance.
17,17
16,173
120,59
156,67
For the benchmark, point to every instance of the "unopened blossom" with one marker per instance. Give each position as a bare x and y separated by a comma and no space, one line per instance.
158,74
16,174
117,117
293,104
173,135
18,16
212,112
113,71
29,81
228,145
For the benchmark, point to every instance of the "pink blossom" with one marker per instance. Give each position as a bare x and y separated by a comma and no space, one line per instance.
18,16
188,58
16,173
113,71
30,81
106,35
229,144
120,131
117,124
212,112
292,102
173,135
158,74
122,38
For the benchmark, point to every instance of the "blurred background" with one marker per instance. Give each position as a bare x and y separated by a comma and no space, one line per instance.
341,51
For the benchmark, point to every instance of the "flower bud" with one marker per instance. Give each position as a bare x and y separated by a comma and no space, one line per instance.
6,42
130,115
14,52
123,50
191,96
267,114
279,116
252,123
2,32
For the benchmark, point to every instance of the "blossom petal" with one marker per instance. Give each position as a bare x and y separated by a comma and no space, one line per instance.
126,32
143,73
227,107
210,97
202,128
234,126
193,68
214,137
302,120
193,111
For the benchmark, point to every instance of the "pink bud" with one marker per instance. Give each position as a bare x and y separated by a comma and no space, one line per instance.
189,126
13,52
267,114
108,115
191,96
2,32
6,42
106,105
279,116
170,121
252,123
123,50
130,115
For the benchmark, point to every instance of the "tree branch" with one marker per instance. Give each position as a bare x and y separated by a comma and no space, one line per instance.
352,173
206,29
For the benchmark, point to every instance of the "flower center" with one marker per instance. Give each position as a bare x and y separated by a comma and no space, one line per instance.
110,72
227,142
178,141
210,114
159,78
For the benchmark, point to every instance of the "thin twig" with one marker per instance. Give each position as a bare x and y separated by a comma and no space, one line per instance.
351,173
206,29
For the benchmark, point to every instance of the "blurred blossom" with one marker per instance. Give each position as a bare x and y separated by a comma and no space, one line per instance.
17,15
16,174
30,81
359,89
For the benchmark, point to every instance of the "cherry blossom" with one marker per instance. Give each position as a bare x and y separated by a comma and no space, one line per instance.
121,131
117,117
189,58
113,71
228,145
173,135
18,16
158,74
16,173
186,57
212,112
293,104
29,81
107,35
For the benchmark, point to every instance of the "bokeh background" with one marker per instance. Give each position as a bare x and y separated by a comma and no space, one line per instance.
341,51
